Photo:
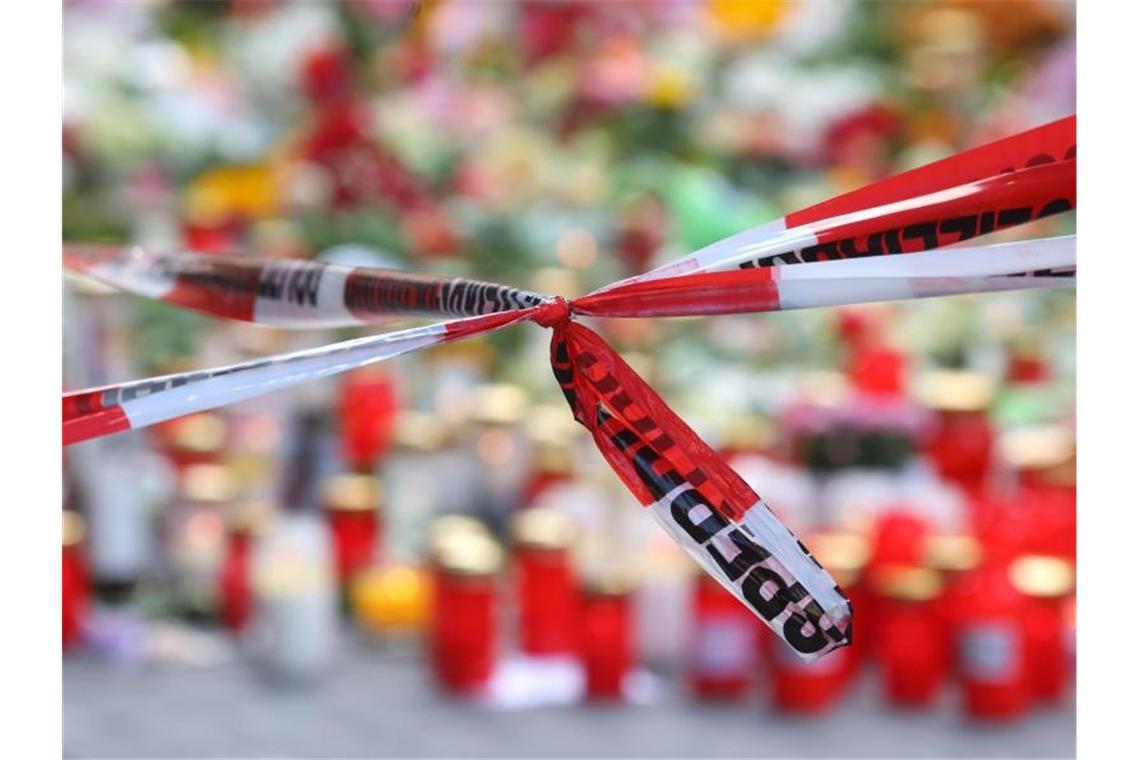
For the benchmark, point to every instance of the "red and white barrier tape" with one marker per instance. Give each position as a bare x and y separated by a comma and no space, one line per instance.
289,292
872,209
838,252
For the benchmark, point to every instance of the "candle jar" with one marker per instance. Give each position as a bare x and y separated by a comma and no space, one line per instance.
963,439
991,647
352,503
195,528
723,642
294,628
464,628
806,687
845,556
499,450
953,557
553,464
1040,455
442,532
898,540
1043,462
367,417
413,486
911,641
746,435
75,583
1047,584
607,644
235,585
196,439
547,590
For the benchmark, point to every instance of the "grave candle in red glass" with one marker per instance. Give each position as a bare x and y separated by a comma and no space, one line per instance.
961,443
911,652
75,583
352,503
606,640
1047,584
991,647
464,628
547,589
723,642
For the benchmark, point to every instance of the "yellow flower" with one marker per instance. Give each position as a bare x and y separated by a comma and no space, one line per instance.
392,599
670,87
245,191
739,20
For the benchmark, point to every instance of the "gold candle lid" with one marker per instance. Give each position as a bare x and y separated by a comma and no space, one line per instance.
608,575
470,555
952,553
907,583
420,431
553,431
551,423
955,391
353,492
445,528
609,584
1042,576
554,458
844,552
208,483
201,433
499,404
748,431
1040,447
74,528
543,528
252,516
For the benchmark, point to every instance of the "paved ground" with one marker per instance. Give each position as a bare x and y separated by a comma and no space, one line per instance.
376,704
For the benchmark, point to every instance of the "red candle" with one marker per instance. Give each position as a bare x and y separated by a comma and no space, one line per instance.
1043,458
747,435
899,539
547,590
367,417
845,556
195,535
723,642
353,506
464,630
911,641
991,647
1047,583
953,557
197,439
443,532
75,583
554,464
607,637
962,440
235,589
806,687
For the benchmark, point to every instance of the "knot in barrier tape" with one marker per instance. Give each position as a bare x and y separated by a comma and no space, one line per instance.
552,313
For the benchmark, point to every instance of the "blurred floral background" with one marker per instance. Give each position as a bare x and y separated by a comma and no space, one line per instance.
556,146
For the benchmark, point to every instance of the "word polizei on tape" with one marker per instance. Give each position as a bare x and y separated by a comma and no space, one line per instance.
877,243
